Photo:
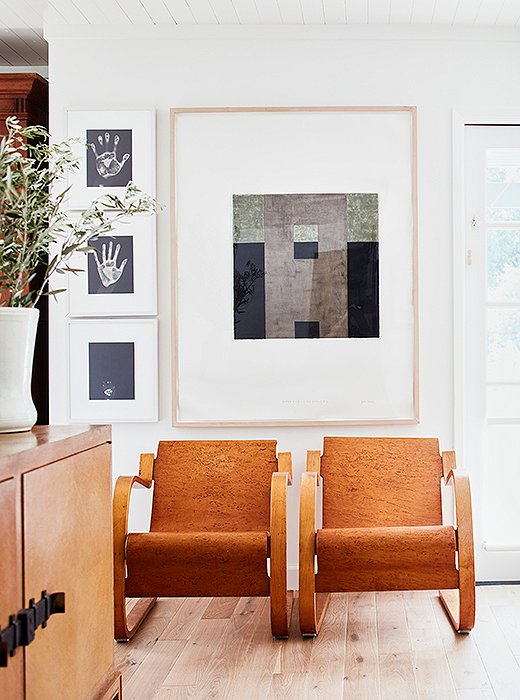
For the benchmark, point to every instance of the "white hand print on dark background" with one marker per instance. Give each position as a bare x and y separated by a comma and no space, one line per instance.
107,268
111,265
109,158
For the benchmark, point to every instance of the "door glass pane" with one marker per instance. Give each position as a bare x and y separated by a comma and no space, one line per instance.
503,345
503,401
503,184
502,485
503,265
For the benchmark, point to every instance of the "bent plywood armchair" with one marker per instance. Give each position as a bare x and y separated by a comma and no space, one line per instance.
218,515
382,526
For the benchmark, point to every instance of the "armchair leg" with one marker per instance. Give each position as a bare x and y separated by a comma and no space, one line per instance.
460,607
313,607
281,608
127,624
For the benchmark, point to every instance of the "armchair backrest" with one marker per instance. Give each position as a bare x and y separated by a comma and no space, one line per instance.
213,485
381,482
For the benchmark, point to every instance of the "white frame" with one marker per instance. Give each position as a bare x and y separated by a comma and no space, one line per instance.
143,300
188,158
142,123
142,409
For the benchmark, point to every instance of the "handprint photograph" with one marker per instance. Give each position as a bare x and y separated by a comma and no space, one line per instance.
113,370
112,148
111,265
109,157
117,276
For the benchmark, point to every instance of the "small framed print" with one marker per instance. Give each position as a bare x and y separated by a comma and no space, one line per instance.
118,277
113,370
114,147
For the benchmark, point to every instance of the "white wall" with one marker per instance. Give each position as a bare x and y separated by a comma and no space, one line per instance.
95,67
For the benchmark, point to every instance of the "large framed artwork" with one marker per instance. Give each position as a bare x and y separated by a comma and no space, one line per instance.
295,266
113,370
114,147
118,274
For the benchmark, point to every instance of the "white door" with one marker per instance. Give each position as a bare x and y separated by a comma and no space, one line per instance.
492,346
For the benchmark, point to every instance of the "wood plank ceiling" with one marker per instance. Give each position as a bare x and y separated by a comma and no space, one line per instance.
21,21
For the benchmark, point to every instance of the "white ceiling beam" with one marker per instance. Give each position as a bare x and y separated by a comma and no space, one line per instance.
180,11
94,13
509,13
23,39
466,12
401,12
379,11
69,11
249,11
444,11
202,11
291,11
268,12
422,11
488,11
335,11
8,52
157,11
224,11
135,11
27,14
357,11
312,11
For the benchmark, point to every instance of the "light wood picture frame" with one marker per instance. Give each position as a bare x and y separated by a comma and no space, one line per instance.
279,156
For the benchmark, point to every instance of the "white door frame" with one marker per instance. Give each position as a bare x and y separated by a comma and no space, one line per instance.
462,117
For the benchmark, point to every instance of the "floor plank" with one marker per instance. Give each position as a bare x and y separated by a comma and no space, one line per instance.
372,646
497,657
150,674
325,678
361,673
220,608
464,661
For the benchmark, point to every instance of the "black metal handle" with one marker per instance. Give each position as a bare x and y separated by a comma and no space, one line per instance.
22,627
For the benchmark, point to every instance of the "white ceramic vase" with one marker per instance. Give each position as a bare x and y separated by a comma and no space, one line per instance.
17,336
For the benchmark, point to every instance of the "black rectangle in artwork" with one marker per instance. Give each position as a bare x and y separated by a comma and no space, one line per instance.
111,371
109,157
249,290
305,250
363,289
306,329
110,267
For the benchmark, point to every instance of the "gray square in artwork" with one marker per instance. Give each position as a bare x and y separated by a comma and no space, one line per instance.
111,371
109,157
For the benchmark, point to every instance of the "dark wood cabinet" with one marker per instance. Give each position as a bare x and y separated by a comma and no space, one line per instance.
26,95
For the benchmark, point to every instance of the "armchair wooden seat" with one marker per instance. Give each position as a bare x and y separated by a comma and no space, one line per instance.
218,517
382,526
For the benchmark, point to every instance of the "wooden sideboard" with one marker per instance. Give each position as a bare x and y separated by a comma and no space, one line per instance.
56,535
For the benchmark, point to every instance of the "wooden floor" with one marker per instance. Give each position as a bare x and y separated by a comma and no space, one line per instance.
372,646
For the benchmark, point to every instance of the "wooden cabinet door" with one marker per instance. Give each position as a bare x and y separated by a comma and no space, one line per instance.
68,547
11,678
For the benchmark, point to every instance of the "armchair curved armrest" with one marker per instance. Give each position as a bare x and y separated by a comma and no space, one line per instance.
278,554
122,492
461,611
308,493
313,461
285,464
